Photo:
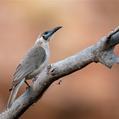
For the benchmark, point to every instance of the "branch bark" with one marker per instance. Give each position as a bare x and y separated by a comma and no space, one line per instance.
101,52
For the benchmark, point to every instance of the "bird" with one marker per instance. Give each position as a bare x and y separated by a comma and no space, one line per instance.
32,64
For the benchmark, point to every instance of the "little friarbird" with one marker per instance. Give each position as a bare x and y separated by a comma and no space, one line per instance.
35,60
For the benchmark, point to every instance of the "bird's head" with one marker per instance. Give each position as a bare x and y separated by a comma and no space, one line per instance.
47,34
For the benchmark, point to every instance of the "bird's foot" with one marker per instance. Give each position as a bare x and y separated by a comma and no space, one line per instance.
27,83
28,86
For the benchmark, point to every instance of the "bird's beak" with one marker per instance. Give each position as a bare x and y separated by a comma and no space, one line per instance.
54,30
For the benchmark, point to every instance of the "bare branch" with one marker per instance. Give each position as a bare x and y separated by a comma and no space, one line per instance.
101,52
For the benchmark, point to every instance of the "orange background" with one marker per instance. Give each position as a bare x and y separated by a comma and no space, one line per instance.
91,93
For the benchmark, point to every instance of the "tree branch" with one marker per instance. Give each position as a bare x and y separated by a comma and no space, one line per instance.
101,52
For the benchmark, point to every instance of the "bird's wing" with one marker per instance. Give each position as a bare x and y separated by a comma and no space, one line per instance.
32,60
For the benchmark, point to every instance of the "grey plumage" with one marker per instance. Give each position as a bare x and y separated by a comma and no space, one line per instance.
32,64
26,69
33,59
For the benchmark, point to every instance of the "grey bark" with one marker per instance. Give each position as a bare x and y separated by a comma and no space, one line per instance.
101,52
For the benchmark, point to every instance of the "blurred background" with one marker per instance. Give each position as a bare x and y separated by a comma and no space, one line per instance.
91,93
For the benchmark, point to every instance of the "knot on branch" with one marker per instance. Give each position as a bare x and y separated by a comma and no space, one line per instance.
107,57
105,51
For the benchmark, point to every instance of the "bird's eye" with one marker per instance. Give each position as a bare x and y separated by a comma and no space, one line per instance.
46,33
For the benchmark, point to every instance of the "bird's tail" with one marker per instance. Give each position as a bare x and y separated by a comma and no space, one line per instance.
14,92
